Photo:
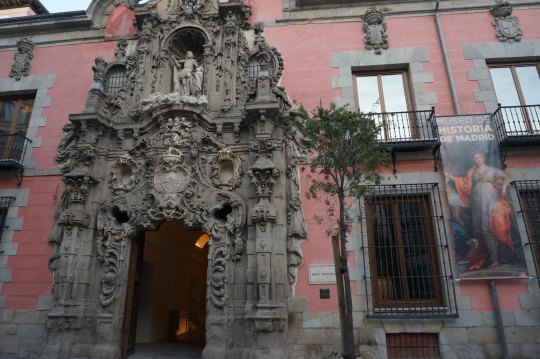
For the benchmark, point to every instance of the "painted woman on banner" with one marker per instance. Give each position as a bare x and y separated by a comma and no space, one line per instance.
483,189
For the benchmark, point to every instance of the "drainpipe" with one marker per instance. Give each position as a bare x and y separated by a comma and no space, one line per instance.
446,60
498,317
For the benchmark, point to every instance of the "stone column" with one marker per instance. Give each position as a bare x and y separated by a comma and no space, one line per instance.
269,314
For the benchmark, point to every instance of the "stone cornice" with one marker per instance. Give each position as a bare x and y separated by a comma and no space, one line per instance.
352,10
35,5
44,24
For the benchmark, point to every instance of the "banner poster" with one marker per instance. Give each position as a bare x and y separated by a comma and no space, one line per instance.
486,237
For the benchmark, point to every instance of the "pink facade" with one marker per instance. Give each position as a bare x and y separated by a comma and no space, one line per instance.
314,47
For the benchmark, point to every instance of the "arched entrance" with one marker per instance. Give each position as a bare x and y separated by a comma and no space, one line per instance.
166,299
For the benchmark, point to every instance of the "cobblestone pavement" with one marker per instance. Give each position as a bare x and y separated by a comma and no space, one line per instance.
167,350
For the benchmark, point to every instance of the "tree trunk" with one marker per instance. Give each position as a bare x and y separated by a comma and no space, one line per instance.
343,284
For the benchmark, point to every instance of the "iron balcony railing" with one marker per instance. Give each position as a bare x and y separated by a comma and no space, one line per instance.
517,123
407,127
12,149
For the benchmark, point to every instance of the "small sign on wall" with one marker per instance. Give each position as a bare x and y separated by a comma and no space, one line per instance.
322,274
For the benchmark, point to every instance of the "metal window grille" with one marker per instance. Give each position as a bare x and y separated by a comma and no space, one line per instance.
529,201
4,206
407,263
413,346
260,65
115,80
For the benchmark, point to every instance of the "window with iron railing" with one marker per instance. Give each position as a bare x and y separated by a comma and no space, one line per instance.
413,345
386,96
517,87
382,93
529,199
409,272
4,207
15,113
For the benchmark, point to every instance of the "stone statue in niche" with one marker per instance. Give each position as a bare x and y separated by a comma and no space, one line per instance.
188,77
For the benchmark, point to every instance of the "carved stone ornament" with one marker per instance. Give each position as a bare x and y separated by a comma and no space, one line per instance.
375,37
110,245
125,175
227,170
77,189
172,176
506,26
188,76
120,53
264,175
23,59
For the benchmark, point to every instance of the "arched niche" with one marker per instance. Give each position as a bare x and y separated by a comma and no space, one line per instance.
182,45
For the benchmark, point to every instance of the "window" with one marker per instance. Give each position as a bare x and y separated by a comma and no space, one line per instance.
4,206
529,198
517,88
15,113
403,256
406,277
261,65
387,96
413,346
115,80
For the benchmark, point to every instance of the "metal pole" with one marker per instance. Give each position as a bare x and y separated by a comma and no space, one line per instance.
500,325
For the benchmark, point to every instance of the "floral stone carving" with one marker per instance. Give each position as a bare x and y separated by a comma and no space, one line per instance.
23,59
125,175
110,244
227,170
375,37
506,26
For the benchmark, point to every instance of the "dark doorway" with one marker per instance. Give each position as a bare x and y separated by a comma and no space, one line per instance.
169,293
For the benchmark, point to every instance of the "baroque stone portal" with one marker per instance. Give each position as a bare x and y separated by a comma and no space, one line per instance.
199,104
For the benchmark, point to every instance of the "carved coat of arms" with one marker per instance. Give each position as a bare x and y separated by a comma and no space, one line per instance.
506,26
172,176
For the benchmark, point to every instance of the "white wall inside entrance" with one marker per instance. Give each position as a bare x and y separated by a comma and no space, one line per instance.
173,279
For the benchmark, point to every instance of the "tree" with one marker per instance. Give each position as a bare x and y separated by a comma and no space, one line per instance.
347,158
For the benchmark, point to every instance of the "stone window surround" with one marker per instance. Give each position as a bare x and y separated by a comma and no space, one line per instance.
411,59
482,54
39,85
10,87
13,223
